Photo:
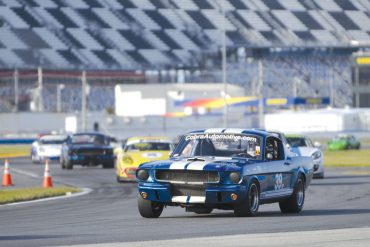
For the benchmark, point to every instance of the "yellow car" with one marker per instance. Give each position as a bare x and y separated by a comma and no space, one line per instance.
139,150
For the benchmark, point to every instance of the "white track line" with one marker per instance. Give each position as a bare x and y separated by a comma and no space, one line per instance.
84,191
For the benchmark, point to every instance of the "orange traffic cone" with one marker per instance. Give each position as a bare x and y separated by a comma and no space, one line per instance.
47,177
7,178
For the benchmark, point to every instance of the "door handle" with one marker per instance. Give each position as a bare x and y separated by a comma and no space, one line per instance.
286,163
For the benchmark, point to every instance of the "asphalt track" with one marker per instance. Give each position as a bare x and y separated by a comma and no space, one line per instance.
109,214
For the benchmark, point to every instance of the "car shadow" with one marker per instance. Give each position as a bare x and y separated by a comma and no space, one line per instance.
304,213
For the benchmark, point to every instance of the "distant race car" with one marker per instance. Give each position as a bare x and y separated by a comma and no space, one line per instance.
344,142
138,150
302,145
230,169
47,147
87,149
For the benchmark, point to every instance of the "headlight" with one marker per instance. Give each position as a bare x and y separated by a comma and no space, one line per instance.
316,155
235,177
142,175
127,160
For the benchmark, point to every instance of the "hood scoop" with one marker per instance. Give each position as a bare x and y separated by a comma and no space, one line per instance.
195,159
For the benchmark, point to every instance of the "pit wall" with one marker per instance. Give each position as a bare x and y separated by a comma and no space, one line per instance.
323,120
27,125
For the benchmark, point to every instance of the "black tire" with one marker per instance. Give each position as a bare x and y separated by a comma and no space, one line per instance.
295,203
34,161
203,210
320,175
108,165
68,165
149,209
249,206
62,164
118,179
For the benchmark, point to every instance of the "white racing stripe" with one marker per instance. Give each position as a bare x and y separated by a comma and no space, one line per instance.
180,199
234,130
197,199
214,130
192,199
179,165
197,165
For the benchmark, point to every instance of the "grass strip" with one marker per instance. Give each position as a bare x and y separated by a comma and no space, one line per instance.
11,151
347,158
10,195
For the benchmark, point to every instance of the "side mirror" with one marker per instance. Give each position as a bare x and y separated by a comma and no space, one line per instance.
317,145
269,156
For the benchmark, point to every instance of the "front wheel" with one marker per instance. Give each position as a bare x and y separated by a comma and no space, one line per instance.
295,203
108,165
249,206
149,209
68,164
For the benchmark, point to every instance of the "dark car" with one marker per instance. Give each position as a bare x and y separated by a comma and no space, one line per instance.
87,149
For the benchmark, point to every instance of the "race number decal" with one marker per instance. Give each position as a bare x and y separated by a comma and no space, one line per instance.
279,181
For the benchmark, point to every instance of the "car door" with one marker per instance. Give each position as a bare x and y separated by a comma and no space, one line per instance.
279,169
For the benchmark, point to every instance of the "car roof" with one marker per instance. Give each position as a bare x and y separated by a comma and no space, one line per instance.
88,133
53,137
258,132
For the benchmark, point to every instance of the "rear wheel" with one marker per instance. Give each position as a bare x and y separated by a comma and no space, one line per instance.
295,203
249,206
149,209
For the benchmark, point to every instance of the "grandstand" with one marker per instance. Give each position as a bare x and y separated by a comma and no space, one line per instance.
308,41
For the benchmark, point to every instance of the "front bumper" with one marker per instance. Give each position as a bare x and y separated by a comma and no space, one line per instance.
213,194
318,166
91,158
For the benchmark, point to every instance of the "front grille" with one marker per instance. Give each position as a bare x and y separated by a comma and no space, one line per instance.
187,190
90,151
187,176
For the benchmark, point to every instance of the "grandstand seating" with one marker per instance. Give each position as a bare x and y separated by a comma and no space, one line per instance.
55,29
160,34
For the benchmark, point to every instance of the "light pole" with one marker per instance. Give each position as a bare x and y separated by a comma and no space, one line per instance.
40,106
224,68
83,100
60,88
261,102
16,90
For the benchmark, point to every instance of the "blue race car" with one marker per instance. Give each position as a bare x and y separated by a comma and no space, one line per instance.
231,169
87,149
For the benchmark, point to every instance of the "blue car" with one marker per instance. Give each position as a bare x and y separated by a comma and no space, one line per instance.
87,149
230,169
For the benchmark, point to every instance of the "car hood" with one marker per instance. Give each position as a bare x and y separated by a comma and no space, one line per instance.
145,156
199,163
304,151
51,146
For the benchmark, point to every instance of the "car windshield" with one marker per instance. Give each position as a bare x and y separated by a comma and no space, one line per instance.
219,145
89,139
149,146
299,142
